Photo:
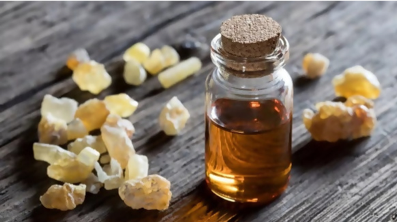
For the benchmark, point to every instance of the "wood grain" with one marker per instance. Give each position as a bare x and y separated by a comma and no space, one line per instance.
345,181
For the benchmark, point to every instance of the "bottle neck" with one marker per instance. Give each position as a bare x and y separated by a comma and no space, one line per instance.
234,67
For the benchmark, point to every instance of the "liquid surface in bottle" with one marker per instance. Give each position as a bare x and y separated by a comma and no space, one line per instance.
248,149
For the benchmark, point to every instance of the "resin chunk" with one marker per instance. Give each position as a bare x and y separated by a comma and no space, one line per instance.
92,77
111,175
151,193
77,57
64,198
76,129
179,72
93,113
134,74
50,153
118,144
94,142
62,108
137,167
74,170
315,65
93,185
155,63
173,117
121,104
357,81
334,121
52,130
116,121
105,159
138,52
171,56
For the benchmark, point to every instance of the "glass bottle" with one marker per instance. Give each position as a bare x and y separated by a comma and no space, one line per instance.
249,104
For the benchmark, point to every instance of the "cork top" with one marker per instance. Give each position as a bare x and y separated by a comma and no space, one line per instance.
251,35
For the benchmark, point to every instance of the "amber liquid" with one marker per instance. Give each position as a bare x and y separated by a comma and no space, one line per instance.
248,149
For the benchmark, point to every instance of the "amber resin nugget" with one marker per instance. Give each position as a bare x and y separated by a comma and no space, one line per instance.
155,63
91,76
94,142
173,117
118,143
134,74
139,52
179,72
60,108
76,129
138,167
52,130
357,81
74,170
121,104
93,113
334,121
76,58
50,153
64,198
315,65
151,193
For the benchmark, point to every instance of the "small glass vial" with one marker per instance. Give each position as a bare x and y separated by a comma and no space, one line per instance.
249,102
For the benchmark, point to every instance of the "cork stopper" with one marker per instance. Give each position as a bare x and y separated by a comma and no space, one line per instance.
250,36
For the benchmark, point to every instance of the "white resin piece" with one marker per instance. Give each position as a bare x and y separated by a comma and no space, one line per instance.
179,72
50,153
151,193
173,117
62,108
138,167
94,142
134,74
118,144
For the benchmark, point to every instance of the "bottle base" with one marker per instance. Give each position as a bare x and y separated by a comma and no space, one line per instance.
260,198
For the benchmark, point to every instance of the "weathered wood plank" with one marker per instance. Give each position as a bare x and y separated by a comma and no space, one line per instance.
330,182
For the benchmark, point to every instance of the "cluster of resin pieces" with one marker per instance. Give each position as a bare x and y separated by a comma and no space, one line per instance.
122,168
108,160
139,60
355,118
334,121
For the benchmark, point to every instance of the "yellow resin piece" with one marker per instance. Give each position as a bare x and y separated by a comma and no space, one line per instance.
315,65
138,167
93,185
91,76
62,108
134,74
50,153
52,130
357,81
76,58
179,72
93,113
76,129
138,52
155,63
94,142
173,117
74,170
118,144
150,193
63,198
105,159
111,175
121,104
335,121
116,121
171,56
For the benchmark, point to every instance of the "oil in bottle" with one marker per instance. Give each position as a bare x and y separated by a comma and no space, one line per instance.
248,149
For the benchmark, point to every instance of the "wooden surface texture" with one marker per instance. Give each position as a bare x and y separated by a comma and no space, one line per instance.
344,181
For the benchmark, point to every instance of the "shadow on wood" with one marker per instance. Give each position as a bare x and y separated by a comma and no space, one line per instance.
317,154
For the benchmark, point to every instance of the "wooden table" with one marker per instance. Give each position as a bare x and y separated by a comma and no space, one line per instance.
344,181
